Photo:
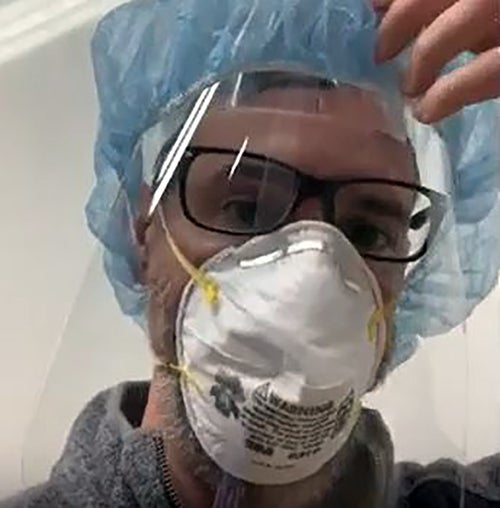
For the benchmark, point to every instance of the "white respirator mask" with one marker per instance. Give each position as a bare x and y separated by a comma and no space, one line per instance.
278,356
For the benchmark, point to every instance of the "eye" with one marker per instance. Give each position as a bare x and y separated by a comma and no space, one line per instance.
420,219
366,237
241,211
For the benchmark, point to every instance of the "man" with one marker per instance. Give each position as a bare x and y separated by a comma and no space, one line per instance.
364,179
273,236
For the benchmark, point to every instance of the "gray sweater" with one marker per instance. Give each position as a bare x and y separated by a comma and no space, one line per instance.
109,461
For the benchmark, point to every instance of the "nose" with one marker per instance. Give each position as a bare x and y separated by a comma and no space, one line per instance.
309,208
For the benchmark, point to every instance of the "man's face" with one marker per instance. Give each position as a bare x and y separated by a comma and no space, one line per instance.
334,134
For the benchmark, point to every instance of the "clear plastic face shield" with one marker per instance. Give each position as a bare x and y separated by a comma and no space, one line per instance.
278,218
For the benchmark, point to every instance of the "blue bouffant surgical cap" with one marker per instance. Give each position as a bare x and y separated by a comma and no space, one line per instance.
149,54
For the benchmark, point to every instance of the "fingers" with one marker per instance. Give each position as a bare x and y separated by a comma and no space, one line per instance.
446,28
477,81
461,27
403,22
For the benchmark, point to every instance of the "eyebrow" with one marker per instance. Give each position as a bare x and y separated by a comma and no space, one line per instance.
384,207
243,168
246,165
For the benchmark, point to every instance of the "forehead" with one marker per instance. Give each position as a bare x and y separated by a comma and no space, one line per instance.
336,132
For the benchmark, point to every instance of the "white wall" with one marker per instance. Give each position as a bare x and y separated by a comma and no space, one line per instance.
444,401
47,124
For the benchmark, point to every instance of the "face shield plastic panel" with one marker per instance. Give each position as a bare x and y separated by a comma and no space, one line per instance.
244,157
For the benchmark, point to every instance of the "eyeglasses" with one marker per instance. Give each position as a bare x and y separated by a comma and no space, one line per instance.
224,191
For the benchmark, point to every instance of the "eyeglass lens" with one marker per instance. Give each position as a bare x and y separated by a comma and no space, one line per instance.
252,195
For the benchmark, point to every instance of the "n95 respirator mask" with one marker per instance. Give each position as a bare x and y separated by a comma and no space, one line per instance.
278,363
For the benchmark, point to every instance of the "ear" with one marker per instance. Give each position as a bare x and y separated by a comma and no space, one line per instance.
141,226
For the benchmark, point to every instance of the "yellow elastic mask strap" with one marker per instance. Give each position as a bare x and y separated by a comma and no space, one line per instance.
184,373
377,316
209,287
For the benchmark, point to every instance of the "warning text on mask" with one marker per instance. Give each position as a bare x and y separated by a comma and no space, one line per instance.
272,423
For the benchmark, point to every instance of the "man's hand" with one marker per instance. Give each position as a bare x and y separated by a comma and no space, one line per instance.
443,29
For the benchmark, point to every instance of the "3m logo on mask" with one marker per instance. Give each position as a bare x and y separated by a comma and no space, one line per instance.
227,392
271,422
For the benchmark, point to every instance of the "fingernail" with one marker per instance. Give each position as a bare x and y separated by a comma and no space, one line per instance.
420,112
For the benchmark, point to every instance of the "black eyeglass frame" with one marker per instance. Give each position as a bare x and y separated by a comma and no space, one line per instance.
439,202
